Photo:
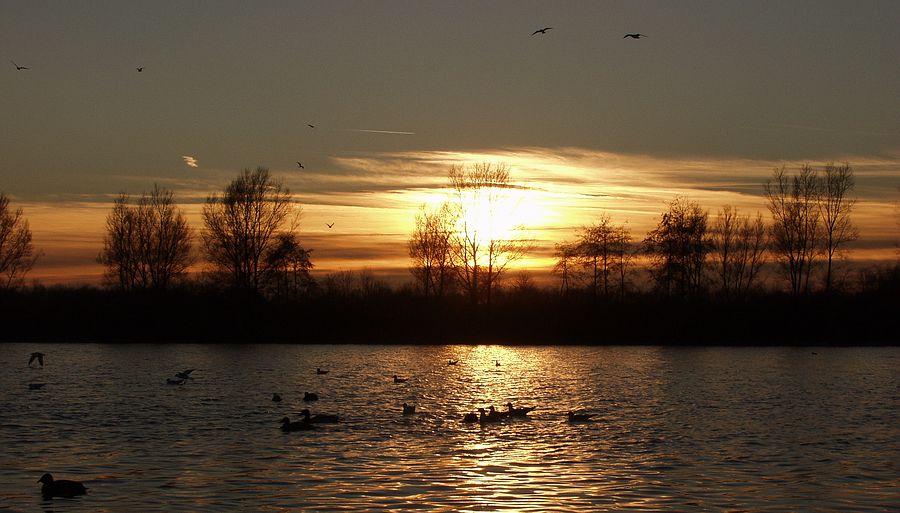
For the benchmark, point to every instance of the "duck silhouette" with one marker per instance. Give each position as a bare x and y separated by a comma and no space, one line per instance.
318,419
36,356
307,396
36,386
276,398
185,374
491,416
288,426
170,381
470,417
579,417
409,409
60,488
518,412
320,371
400,380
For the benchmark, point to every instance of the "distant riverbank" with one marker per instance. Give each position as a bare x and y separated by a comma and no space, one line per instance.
537,317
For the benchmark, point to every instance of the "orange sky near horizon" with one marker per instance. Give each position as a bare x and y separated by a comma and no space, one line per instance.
372,202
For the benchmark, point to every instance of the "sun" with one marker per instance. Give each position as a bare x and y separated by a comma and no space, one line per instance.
497,214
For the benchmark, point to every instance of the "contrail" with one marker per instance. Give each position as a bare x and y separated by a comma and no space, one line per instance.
395,132
190,161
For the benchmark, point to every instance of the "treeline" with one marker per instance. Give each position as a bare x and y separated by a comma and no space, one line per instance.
694,278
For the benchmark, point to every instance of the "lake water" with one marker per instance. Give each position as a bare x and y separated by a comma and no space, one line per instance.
716,429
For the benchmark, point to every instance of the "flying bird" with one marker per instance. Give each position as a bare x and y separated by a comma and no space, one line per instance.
186,374
18,68
635,36
190,161
300,165
541,31
36,356
329,224
140,69
311,126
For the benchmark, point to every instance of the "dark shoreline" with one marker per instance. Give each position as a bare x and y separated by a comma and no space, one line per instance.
396,317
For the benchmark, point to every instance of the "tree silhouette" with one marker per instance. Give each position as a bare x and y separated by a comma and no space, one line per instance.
17,254
242,225
430,250
795,229
834,209
678,248
481,253
148,245
738,250
289,267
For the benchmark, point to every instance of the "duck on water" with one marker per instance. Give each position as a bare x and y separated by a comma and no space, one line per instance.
60,488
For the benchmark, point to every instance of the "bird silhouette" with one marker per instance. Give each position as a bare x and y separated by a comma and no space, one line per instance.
635,36
321,371
36,356
541,31
452,362
276,398
409,409
311,126
322,418
140,69
399,380
185,374
300,165
496,363
36,386
579,417
18,68
288,426
310,396
60,488
329,224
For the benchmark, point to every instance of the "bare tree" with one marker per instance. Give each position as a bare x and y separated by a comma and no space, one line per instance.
601,247
622,256
795,230
289,265
678,248
738,250
148,245
834,209
241,226
430,249
566,254
17,254
481,253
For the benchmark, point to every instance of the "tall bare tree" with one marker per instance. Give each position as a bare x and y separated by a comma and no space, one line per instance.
678,248
430,249
566,254
241,226
289,267
17,254
148,245
738,250
795,230
603,251
482,254
834,209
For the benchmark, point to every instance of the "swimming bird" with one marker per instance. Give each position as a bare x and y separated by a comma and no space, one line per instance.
276,398
61,488
140,69
496,363
470,417
635,36
185,374
170,381
488,417
400,380
518,412
300,165
541,31
579,417
321,418
36,386
329,224
36,356
320,371
19,68
409,409
452,362
310,397
288,426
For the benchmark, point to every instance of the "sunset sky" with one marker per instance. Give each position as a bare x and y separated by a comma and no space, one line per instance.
716,96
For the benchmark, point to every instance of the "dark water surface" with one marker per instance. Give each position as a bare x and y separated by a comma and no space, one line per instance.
716,429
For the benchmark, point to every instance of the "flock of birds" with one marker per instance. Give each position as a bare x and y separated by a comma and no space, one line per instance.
66,488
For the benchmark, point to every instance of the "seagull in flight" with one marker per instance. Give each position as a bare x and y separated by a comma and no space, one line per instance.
300,165
140,69
541,31
18,68
635,36
311,126
329,224
36,356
